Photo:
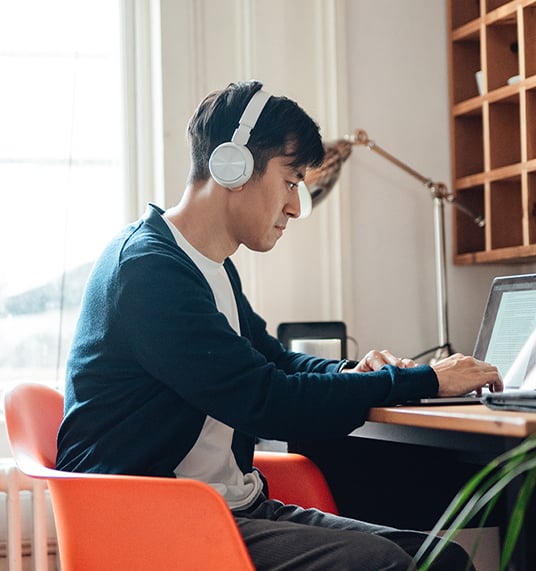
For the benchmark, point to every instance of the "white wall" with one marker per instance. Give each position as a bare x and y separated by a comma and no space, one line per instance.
398,79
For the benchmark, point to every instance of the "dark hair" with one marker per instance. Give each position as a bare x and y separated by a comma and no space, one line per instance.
283,128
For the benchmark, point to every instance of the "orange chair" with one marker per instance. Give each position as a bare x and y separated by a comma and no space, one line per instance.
111,522
294,479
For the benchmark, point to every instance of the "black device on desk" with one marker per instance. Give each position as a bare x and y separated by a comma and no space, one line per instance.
523,401
289,332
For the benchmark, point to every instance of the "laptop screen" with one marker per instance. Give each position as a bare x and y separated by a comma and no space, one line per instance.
507,335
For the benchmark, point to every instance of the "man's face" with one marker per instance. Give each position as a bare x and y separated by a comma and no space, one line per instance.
262,208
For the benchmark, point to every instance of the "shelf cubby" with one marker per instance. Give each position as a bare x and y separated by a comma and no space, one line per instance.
506,213
466,61
529,40
469,236
531,123
504,133
470,149
494,4
502,50
531,204
464,11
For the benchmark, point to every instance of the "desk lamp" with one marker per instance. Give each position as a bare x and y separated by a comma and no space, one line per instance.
321,180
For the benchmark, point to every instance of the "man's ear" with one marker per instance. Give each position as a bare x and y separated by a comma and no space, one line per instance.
235,188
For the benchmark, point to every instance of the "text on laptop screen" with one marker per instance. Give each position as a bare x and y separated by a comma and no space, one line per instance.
507,338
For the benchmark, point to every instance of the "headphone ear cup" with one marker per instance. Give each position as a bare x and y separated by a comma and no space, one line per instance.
231,165
306,202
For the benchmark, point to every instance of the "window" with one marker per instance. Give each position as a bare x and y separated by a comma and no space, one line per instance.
61,171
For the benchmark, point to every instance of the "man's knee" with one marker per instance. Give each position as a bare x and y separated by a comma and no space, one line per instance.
374,553
377,553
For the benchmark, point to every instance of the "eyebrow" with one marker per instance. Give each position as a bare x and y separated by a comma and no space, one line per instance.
299,174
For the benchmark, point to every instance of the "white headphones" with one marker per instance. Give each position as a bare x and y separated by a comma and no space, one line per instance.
231,163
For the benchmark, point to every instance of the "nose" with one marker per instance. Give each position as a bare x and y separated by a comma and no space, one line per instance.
292,207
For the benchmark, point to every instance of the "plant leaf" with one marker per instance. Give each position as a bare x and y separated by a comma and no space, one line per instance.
483,491
516,519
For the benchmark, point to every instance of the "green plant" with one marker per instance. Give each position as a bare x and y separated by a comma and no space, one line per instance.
479,496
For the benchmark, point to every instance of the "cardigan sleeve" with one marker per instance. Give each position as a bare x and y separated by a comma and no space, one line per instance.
254,328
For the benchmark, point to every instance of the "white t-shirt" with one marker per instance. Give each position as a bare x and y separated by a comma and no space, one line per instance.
211,459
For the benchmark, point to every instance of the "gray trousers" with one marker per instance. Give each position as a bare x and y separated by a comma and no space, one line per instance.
283,537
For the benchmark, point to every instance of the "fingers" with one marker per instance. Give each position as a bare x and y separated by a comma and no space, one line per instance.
496,386
375,360
403,363
372,361
459,374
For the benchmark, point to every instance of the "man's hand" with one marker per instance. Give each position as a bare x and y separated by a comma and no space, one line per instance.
459,374
375,360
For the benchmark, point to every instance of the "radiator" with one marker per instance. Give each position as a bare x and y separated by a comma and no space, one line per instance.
27,533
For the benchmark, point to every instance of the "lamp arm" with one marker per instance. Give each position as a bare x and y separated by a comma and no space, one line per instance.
437,189
360,137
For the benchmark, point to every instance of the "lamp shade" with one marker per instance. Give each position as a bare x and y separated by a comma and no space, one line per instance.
322,179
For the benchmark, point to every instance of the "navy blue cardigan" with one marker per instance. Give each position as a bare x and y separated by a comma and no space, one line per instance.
152,357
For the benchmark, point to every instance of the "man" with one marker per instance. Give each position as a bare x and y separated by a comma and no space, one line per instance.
171,373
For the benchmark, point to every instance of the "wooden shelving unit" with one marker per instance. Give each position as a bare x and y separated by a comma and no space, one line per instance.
493,132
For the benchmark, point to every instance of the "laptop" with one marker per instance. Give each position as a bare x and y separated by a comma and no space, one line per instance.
506,338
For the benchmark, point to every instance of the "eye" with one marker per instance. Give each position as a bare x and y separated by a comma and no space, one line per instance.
292,185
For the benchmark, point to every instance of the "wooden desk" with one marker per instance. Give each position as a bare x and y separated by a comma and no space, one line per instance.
467,418
476,430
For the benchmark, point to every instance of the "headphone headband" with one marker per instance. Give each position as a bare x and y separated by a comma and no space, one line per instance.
250,117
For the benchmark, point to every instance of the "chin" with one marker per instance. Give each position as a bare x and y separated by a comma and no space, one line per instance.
261,248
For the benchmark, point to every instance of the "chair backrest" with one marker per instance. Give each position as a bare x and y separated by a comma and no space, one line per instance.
33,415
111,522
295,479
